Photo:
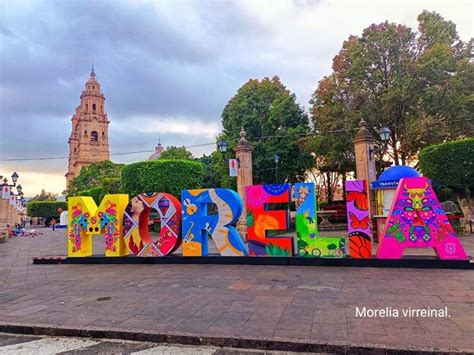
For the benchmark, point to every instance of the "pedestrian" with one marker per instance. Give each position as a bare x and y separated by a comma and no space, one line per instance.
9,231
31,222
53,224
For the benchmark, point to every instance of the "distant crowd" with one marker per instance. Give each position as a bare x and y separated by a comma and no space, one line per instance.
19,228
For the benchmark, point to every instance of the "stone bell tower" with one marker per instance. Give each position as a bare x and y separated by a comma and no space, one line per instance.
89,139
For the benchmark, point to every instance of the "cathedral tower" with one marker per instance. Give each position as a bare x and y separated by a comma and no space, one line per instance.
89,139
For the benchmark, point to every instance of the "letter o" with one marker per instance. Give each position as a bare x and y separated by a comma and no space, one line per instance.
136,217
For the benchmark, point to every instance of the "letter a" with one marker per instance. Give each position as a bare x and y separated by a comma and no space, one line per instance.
417,220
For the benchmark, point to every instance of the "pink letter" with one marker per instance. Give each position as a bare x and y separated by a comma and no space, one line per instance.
417,220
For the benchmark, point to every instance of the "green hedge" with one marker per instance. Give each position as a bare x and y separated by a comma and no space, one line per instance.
108,186
45,208
97,193
450,164
169,176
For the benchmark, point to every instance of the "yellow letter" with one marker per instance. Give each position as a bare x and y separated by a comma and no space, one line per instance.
86,220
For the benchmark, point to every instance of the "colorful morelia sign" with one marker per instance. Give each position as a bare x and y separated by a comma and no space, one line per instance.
199,224
303,194
359,226
417,220
261,220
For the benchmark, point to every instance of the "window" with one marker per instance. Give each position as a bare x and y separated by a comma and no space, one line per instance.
93,86
93,107
85,132
94,136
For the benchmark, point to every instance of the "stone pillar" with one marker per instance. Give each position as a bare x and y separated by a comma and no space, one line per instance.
3,214
243,152
365,160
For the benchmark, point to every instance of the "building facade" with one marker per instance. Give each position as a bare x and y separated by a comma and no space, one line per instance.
89,139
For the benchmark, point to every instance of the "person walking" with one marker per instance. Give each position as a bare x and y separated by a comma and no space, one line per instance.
9,231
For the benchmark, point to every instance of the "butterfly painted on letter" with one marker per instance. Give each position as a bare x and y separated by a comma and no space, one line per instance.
357,223
359,197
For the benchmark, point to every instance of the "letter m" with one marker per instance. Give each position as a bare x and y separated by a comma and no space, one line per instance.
85,219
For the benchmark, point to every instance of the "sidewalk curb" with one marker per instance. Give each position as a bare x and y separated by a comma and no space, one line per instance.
231,342
408,262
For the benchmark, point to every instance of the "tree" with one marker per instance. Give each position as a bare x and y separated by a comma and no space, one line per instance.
274,121
216,171
420,85
104,175
451,165
177,153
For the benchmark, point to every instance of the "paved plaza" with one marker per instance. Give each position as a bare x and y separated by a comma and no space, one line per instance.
281,303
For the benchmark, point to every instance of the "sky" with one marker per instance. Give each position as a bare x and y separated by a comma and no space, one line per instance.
166,68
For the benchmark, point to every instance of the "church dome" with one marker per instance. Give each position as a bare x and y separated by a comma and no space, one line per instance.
92,86
157,154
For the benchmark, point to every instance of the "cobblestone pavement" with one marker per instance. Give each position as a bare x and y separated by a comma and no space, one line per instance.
303,304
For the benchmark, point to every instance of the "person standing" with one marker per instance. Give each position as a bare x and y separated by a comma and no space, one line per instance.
53,224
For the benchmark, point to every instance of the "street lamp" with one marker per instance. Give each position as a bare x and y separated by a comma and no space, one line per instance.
276,158
384,134
14,177
222,145
19,188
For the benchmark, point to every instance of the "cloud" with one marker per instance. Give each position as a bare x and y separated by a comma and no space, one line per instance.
187,126
167,68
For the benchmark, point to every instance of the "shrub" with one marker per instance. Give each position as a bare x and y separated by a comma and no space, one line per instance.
450,164
169,176
45,208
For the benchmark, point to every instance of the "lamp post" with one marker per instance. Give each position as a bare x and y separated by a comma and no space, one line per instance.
15,177
384,134
276,159
222,145
7,214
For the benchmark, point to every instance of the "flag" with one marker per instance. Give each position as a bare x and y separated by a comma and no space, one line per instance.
233,167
